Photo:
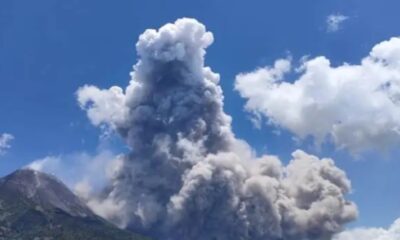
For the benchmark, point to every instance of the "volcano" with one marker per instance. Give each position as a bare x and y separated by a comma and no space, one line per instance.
35,205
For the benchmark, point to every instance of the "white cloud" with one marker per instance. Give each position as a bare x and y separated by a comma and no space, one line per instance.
334,22
392,233
5,140
356,106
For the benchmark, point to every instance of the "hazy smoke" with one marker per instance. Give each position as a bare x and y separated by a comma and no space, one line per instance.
187,176
83,172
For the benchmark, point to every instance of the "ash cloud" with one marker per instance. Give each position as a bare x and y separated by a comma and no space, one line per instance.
187,176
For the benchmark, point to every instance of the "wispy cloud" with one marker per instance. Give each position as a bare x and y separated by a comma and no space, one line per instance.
5,140
334,22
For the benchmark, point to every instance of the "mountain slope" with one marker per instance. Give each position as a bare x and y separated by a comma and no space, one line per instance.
34,205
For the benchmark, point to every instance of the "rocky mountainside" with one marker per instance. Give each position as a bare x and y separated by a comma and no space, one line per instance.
36,206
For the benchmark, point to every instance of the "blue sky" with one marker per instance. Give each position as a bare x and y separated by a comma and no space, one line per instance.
48,49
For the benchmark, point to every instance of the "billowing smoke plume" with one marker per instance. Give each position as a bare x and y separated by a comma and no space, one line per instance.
187,176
